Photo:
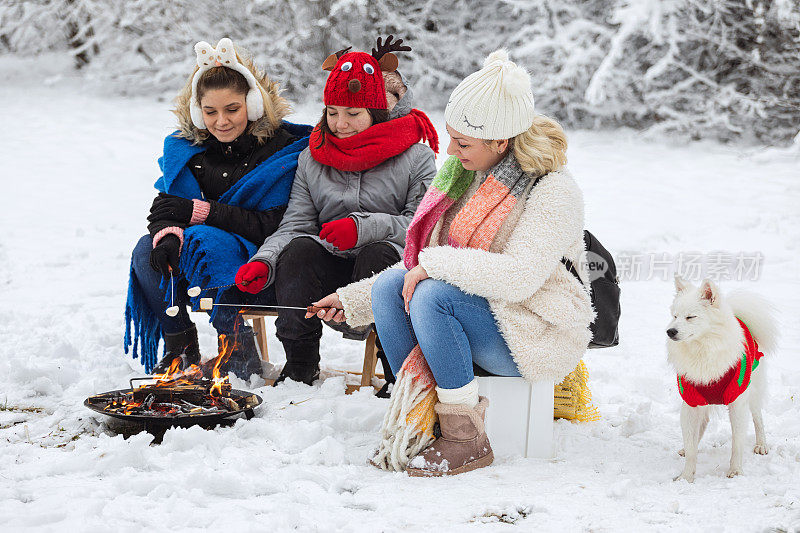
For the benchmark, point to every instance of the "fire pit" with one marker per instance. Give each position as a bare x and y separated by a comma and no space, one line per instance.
177,398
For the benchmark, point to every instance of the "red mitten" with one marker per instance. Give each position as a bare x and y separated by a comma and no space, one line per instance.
251,277
341,233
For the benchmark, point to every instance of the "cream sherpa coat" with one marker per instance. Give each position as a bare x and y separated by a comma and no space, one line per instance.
543,312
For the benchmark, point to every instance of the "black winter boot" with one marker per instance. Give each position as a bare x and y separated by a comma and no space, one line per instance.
387,371
384,391
243,361
302,362
183,346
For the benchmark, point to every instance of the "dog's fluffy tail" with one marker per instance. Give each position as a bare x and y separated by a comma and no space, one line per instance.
759,315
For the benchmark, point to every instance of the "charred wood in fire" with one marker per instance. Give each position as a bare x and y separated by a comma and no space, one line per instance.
178,403
148,402
229,403
194,392
162,399
193,409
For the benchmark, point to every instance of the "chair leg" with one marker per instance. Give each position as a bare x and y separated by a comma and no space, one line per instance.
370,360
260,328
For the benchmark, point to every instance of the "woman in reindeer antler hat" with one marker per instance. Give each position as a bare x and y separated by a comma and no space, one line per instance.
355,191
226,178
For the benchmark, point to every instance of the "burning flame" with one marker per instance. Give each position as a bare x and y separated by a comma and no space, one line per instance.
227,349
174,377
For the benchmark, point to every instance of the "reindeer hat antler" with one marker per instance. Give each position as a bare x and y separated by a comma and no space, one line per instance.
383,53
356,78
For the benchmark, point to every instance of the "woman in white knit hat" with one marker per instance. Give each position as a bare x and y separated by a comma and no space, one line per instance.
483,280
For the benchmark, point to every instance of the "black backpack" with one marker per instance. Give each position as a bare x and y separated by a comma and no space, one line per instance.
605,292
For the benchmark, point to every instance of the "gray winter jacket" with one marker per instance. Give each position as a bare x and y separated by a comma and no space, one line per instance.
381,200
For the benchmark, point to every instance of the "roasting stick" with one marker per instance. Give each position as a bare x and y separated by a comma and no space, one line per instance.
207,303
195,291
205,306
173,309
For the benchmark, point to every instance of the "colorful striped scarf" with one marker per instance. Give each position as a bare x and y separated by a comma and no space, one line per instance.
476,225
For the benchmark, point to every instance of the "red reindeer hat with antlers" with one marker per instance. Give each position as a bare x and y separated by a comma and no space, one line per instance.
356,78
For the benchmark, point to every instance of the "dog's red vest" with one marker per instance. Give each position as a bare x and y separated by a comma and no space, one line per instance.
728,387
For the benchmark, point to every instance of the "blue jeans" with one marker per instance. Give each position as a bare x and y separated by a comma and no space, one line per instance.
453,329
157,293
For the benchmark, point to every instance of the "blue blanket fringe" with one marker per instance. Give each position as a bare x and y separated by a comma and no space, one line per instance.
145,325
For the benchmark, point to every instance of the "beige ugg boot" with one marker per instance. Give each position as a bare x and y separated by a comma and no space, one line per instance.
463,445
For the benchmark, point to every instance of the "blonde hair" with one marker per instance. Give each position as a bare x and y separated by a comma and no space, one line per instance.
542,148
276,107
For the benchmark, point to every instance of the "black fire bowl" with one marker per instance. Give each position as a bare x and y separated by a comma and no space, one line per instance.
131,424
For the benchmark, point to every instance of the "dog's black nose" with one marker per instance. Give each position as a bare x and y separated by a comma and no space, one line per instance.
672,333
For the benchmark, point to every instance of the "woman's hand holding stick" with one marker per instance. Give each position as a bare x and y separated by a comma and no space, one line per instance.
334,309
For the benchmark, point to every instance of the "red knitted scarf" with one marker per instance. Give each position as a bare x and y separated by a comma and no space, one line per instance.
375,144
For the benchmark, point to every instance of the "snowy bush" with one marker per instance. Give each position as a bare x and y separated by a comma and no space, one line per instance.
726,69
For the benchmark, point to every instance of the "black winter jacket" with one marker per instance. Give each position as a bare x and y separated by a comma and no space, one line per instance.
217,169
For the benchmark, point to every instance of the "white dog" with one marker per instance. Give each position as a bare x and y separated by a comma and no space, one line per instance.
719,363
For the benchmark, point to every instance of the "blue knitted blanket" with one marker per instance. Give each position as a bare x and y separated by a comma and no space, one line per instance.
210,256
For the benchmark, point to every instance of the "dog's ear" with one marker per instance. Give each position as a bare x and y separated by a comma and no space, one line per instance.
709,292
681,284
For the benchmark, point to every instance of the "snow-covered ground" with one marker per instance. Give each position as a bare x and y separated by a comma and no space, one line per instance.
77,174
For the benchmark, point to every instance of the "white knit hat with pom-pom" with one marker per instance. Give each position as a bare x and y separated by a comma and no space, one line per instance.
494,103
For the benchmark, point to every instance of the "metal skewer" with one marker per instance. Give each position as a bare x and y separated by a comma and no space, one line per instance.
207,303
173,309
196,290
264,306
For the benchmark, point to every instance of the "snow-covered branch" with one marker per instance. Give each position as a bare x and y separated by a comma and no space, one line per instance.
726,69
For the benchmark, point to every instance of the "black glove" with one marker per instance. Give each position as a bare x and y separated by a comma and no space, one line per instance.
166,254
169,207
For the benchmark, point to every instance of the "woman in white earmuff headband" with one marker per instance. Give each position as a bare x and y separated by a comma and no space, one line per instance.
227,173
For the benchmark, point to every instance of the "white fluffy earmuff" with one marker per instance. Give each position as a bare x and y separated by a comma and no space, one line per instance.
223,55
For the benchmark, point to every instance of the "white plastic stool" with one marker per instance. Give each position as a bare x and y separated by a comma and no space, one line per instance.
519,420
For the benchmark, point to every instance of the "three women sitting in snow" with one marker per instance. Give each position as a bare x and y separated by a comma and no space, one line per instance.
476,274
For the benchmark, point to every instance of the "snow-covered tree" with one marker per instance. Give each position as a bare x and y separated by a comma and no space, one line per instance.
726,69
723,68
